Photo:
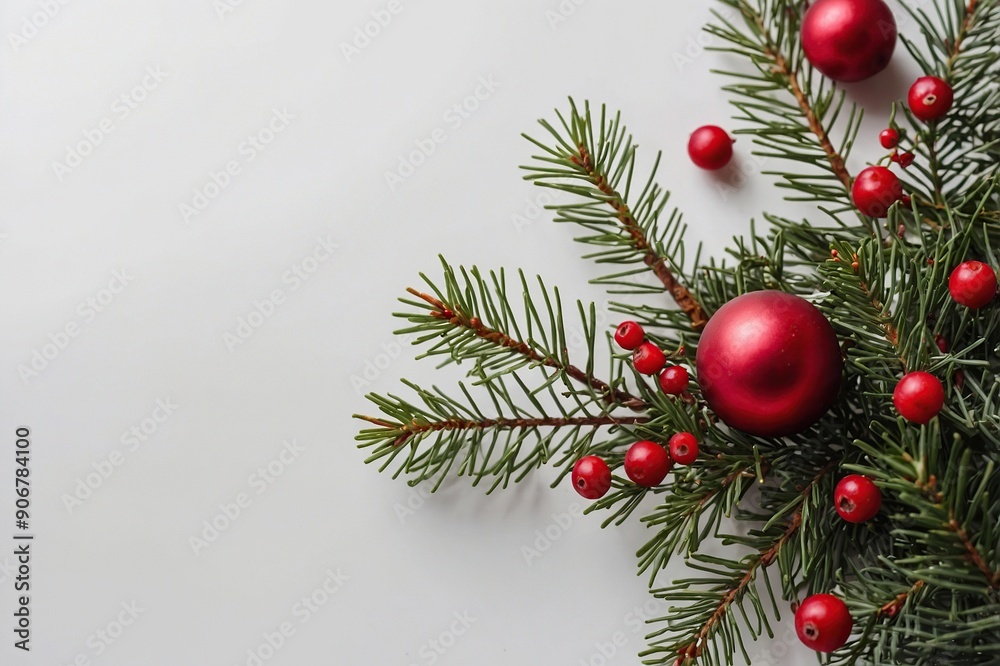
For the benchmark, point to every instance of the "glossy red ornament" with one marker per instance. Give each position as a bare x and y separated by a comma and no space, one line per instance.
875,189
684,448
647,463
648,359
857,498
823,623
889,138
674,379
769,363
930,98
849,40
918,397
591,477
973,284
710,147
629,335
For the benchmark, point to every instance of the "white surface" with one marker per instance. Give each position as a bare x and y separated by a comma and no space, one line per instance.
162,337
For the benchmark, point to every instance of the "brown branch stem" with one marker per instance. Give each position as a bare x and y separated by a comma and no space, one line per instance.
974,556
462,320
891,608
408,430
762,560
655,262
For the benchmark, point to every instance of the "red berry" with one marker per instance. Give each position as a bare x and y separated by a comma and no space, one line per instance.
857,498
647,463
941,342
918,397
674,379
930,98
684,448
823,623
889,138
875,189
710,147
848,40
903,159
973,284
591,477
629,335
648,359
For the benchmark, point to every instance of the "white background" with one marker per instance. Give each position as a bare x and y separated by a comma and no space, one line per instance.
222,76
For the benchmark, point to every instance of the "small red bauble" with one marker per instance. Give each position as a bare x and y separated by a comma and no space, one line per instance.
674,379
769,363
857,498
629,335
648,358
889,138
918,397
849,40
875,189
930,98
647,463
973,284
823,623
684,448
710,147
591,477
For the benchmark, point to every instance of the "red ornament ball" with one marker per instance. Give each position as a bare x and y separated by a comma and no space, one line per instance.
769,363
648,359
674,379
973,284
629,335
889,138
918,397
647,463
710,147
875,189
857,498
930,98
823,623
849,40
684,448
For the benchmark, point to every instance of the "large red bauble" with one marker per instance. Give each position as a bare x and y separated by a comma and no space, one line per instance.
769,363
849,40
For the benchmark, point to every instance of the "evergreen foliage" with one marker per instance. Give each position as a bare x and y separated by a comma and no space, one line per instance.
922,579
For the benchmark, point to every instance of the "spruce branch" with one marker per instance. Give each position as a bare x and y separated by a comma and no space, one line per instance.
598,169
764,559
796,128
463,320
428,438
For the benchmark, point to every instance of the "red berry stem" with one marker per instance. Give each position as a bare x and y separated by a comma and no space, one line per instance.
461,320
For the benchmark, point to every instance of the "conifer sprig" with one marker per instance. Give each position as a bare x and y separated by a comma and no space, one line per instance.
922,579
598,167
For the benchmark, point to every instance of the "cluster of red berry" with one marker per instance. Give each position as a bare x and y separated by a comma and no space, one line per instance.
646,463
876,188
